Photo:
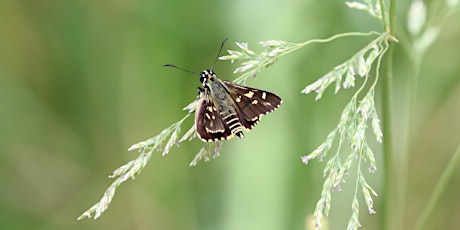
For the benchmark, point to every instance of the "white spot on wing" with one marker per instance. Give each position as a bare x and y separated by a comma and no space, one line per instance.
249,94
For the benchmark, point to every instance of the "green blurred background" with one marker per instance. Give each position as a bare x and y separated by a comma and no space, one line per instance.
81,81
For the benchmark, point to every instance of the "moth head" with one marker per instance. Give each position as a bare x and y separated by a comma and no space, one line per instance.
206,75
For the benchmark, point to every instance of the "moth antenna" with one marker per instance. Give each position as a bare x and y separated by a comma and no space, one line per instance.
220,50
177,67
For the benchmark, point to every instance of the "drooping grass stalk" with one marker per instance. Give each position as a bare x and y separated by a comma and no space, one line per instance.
280,48
352,128
440,187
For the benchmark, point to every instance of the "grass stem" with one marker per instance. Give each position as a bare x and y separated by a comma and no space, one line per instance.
387,95
440,188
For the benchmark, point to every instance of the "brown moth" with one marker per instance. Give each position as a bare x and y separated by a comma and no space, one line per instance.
224,108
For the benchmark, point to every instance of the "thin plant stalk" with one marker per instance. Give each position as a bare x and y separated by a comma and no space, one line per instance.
387,94
389,173
440,188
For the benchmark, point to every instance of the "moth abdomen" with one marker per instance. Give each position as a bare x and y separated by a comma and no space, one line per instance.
234,124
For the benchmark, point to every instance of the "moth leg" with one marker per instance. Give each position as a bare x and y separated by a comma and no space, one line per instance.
201,92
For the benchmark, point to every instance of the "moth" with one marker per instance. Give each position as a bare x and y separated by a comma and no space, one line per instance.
224,109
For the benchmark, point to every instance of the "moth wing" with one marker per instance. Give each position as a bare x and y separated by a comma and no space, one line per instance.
209,123
252,103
